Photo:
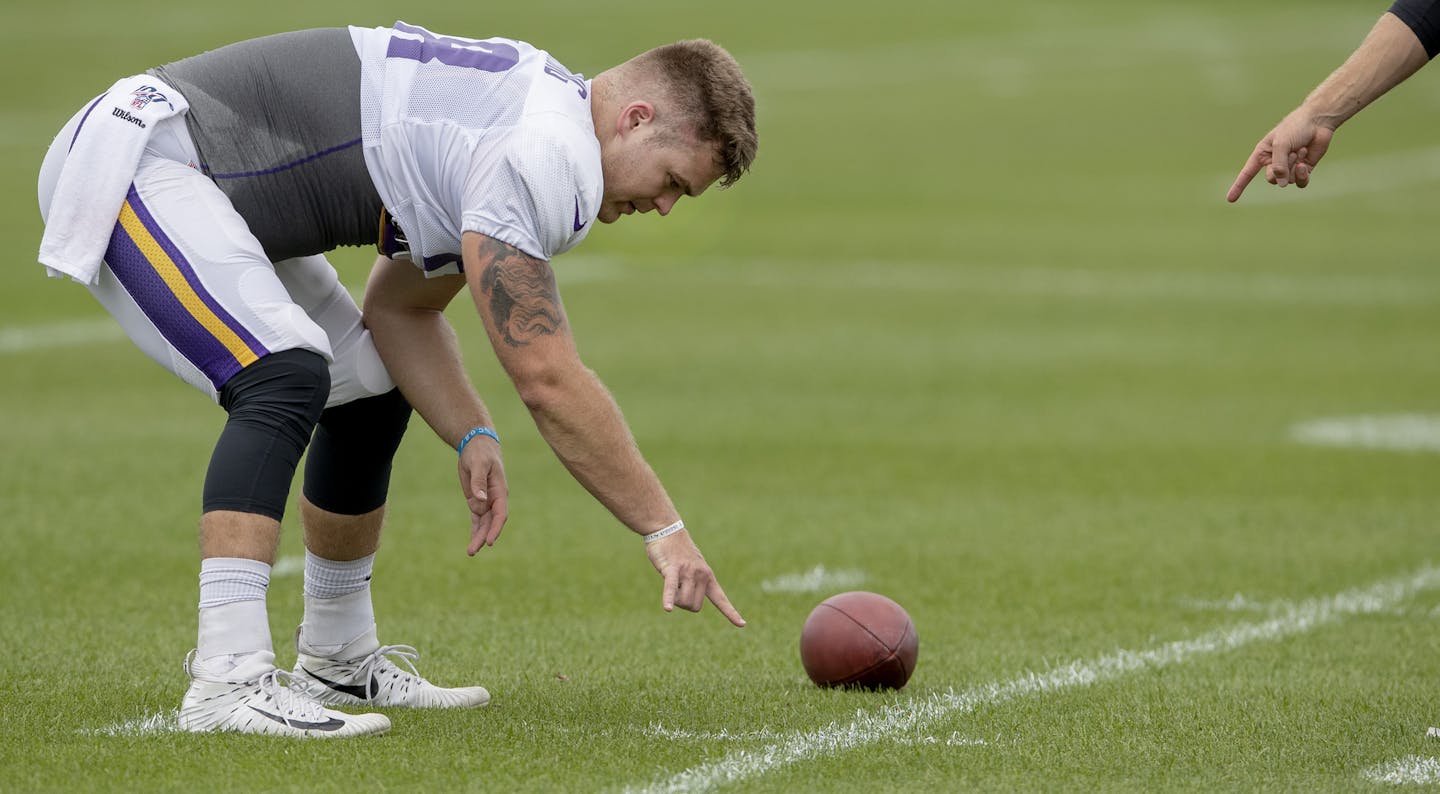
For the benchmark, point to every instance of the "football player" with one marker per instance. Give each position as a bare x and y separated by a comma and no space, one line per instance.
197,201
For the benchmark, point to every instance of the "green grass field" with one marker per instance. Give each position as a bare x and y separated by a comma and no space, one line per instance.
979,332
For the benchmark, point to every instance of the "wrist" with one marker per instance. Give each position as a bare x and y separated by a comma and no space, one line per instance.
665,532
473,434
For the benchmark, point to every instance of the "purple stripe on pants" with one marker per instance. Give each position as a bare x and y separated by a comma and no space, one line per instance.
163,308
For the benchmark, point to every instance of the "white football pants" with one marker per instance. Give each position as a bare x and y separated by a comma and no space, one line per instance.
192,287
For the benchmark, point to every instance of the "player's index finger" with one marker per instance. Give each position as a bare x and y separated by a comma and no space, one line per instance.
1252,167
722,603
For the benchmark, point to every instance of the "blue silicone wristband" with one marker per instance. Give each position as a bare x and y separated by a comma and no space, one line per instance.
479,431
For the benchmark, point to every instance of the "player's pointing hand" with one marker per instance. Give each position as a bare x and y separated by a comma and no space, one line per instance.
1287,154
688,578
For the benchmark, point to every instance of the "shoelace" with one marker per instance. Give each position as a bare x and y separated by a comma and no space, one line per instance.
372,665
290,695
287,690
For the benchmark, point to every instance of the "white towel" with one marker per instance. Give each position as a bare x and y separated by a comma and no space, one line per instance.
98,172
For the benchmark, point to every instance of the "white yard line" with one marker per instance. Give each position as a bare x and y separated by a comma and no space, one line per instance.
571,270
1402,432
1412,769
1182,42
921,716
814,580
288,565
1236,603
152,725
982,279
658,731
1069,282
1350,176
25,338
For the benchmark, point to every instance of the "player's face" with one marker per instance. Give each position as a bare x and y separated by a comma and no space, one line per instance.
646,170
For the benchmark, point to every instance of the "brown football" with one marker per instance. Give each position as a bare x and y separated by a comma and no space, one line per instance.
859,639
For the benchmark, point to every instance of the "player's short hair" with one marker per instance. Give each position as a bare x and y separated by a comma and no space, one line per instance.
712,98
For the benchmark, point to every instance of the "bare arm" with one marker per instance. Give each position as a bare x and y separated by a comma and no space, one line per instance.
519,303
1289,152
404,312
518,300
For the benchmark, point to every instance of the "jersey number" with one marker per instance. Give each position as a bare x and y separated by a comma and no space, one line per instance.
555,70
487,56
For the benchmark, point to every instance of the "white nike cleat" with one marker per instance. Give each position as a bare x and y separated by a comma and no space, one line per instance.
349,678
257,698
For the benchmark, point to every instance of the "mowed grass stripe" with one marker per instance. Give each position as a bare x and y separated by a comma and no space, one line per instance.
1215,47
867,729
1252,287
71,333
90,331
866,275
1350,176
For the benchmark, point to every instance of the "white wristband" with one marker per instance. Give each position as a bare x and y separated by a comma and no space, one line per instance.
666,532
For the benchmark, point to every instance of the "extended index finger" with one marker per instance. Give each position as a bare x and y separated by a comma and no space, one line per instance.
1252,167
717,597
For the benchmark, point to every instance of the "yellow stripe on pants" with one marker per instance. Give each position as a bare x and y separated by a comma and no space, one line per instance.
151,249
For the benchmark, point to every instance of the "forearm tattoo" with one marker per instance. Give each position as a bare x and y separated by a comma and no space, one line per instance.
524,301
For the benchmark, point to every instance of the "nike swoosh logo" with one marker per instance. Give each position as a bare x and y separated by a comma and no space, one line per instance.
349,689
579,224
331,724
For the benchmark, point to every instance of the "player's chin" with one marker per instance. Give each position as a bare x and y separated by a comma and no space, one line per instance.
608,214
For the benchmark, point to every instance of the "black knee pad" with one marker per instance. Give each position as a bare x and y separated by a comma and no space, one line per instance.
348,470
273,406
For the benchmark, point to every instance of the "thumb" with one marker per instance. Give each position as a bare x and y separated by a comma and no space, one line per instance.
478,479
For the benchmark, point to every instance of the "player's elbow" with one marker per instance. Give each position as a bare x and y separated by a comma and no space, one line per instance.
543,389
383,312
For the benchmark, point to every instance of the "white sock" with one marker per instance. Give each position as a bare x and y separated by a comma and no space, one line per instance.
233,620
331,579
338,609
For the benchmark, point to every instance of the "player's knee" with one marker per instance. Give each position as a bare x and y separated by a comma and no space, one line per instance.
348,469
273,404
285,390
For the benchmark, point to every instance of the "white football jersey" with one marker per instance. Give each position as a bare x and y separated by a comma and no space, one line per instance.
491,136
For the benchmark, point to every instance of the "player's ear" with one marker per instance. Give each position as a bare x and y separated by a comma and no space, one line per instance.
634,116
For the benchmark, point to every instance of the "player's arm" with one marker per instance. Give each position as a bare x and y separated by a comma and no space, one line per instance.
1387,57
1392,52
519,304
404,311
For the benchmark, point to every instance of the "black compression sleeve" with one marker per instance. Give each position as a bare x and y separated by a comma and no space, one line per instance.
1423,17
348,470
273,406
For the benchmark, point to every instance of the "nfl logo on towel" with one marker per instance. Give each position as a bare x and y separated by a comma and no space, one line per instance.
146,94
